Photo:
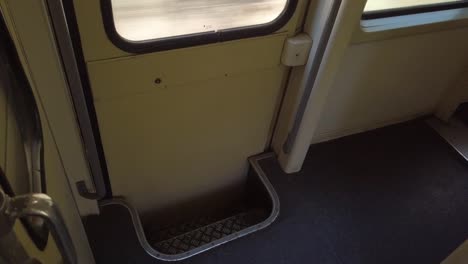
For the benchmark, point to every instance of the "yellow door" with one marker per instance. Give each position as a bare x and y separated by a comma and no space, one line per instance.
184,91
31,168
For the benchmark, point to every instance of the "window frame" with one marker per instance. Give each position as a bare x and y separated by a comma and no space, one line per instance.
183,41
385,13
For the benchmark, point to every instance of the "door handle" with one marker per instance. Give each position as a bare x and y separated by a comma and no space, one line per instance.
43,207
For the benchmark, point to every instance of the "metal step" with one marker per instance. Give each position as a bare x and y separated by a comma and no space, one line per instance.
174,237
191,235
455,132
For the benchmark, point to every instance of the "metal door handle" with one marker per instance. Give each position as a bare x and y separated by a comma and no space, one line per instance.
42,206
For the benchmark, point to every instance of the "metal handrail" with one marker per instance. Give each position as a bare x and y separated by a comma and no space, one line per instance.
34,205
65,46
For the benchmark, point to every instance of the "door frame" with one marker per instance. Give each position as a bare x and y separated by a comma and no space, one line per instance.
50,88
30,27
331,26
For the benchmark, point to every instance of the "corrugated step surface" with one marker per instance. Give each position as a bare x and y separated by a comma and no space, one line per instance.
204,230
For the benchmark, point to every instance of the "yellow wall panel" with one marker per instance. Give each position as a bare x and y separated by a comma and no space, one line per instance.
169,145
130,75
96,45
189,133
385,82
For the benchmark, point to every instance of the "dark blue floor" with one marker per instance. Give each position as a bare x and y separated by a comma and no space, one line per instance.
393,195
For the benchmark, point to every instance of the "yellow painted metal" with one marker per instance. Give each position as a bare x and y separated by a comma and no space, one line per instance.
173,144
58,185
16,172
384,82
96,45
459,256
178,125
137,74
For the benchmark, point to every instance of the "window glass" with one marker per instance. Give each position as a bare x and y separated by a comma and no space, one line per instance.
382,5
139,20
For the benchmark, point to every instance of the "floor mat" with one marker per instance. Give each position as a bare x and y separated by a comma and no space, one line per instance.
392,195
